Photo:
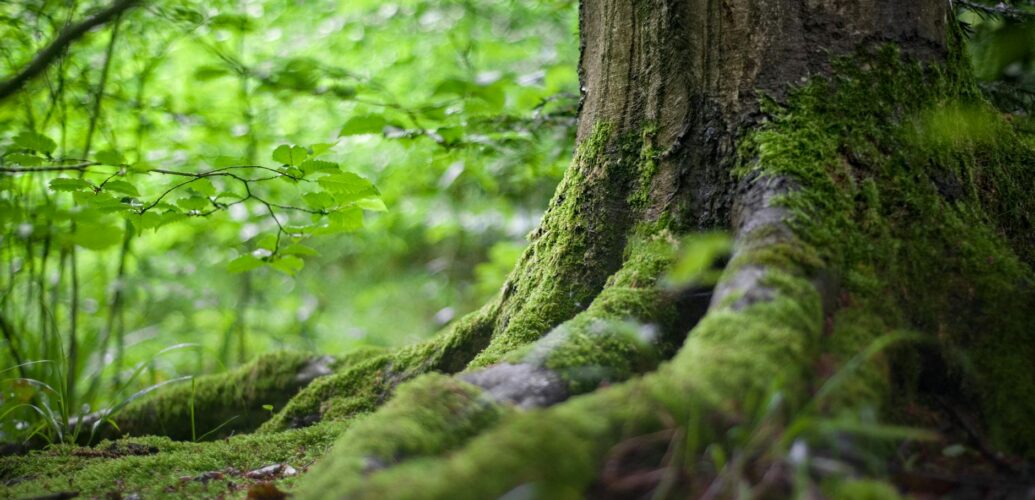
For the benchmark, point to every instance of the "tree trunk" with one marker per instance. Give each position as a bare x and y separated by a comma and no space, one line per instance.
825,134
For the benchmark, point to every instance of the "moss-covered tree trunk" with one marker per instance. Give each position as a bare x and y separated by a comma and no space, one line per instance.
874,197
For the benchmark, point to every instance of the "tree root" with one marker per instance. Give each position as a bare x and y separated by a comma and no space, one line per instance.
755,332
222,404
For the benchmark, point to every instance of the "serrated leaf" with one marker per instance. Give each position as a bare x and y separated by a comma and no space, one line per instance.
24,159
298,249
109,157
312,166
203,187
363,124
288,264
291,174
347,219
69,184
373,204
193,203
318,200
36,142
348,187
122,187
244,263
290,155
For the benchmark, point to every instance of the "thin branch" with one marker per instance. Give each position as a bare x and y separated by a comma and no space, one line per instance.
1000,9
45,57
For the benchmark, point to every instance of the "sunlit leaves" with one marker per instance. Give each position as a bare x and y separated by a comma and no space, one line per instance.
363,124
290,155
110,157
36,142
244,263
298,249
193,203
347,187
288,264
698,256
122,187
318,200
313,166
25,160
69,184
208,72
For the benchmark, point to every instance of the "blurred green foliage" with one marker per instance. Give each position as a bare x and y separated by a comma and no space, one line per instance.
1001,45
218,161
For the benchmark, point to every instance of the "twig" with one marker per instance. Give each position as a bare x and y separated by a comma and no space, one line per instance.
1000,9
45,57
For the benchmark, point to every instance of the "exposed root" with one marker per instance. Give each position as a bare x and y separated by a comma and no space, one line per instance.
739,347
222,404
368,383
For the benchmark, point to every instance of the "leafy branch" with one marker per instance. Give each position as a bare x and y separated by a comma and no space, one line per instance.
45,57
337,196
1001,9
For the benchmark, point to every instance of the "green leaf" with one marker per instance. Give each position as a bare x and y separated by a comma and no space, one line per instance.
493,97
104,202
141,167
267,241
320,148
203,187
210,72
318,200
347,187
109,157
313,166
346,220
697,258
36,142
25,160
193,203
121,187
454,86
298,249
244,263
290,155
96,236
69,184
374,204
289,264
363,124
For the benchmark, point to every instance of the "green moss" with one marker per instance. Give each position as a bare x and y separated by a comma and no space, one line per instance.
646,166
577,246
158,467
430,415
232,402
361,388
926,221
556,453
627,329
